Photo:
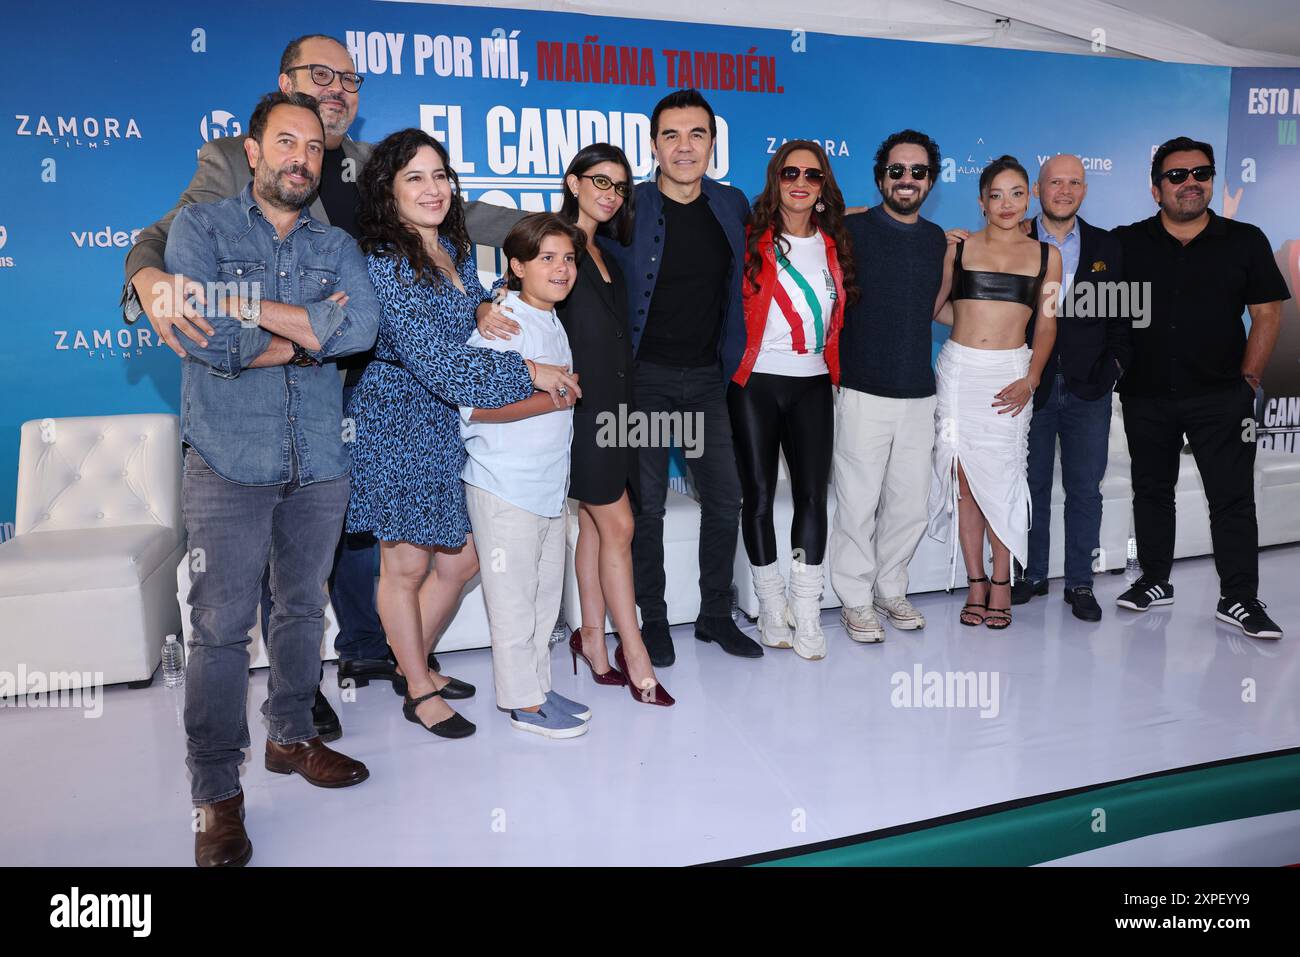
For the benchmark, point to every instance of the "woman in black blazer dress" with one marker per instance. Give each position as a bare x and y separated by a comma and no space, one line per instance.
603,466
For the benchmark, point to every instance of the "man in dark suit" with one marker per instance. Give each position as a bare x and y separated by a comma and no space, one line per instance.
1073,401
319,66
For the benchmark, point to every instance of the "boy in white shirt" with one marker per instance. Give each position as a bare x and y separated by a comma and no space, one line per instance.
517,480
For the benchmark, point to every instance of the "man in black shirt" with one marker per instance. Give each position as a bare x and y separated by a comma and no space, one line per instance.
683,274
884,408
1195,372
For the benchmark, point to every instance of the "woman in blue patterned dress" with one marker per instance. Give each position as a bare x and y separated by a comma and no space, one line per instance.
407,454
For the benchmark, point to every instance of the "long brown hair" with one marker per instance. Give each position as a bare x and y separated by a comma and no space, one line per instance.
767,212
382,230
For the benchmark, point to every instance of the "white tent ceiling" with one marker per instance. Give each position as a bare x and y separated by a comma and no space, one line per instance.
1242,33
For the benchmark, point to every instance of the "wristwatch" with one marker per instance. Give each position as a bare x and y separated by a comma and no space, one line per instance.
301,357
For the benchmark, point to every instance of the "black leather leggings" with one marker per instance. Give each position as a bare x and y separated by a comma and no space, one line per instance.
794,415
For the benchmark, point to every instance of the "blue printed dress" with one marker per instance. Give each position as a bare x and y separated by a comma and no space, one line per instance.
407,456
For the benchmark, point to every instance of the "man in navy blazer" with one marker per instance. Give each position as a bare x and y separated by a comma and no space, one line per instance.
1073,399
684,270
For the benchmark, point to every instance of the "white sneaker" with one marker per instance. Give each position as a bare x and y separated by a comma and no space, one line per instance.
861,623
900,612
769,588
806,610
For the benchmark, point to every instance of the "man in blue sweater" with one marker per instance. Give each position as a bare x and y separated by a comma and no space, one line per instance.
884,408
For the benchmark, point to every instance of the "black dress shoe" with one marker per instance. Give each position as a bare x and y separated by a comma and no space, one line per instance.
658,643
1024,589
1083,603
433,663
361,671
323,717
732,640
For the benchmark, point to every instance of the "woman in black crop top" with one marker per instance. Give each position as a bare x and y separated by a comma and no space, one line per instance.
985,376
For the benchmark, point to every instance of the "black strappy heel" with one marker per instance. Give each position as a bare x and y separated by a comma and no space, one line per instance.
1000,615
972,604
457,726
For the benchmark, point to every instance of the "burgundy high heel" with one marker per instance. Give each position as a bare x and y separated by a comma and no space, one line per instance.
611,677
656,695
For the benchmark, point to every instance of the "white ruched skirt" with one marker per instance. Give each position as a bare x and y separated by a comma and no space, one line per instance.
992,449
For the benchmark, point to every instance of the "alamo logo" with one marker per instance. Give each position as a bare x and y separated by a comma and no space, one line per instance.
123,343
70,131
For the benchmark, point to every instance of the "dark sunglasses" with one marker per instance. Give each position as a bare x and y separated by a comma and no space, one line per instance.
1202,174
323,75
919,170
604,182
790,174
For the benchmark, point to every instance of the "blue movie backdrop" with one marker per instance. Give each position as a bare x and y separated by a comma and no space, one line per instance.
107,109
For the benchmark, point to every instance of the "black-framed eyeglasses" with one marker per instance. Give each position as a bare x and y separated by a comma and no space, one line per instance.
323,75
1202,174
604,182
811,173
919,171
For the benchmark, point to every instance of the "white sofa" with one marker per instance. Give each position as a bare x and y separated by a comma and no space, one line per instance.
86,581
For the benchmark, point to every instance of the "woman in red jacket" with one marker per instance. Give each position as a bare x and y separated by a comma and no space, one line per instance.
798,277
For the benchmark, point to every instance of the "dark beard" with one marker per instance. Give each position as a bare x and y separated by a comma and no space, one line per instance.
279,195
1179,215
903,209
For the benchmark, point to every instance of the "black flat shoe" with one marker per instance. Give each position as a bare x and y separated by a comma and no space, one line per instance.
433,663
362,671
453,690
723,631
325,719
658,643
457,726
1083,603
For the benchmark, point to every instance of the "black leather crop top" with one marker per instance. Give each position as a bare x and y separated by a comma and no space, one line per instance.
1001,286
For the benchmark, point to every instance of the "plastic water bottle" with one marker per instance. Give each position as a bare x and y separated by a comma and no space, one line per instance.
560,632
173,663
1132,570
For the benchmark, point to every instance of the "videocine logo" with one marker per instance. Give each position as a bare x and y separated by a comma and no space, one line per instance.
75,910
105,238
5,261
218,124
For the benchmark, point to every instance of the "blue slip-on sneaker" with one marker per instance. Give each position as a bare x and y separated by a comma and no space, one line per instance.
549,722
560,703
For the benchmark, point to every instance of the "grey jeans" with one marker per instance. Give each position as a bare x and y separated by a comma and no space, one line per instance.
234,531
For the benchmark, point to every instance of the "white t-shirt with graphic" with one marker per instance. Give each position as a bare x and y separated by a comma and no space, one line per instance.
805,276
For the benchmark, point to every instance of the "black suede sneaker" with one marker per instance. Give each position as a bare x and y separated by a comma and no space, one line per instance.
1023,590
1145,593
1083,603
1248,615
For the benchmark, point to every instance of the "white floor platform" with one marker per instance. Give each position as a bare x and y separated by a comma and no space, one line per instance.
756,756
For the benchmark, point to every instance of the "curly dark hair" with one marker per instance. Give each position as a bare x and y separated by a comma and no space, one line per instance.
382,231
767,212
914,138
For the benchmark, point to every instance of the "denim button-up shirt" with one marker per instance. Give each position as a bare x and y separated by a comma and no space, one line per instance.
252,426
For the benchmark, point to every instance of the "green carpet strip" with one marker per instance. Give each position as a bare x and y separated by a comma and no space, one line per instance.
1037,829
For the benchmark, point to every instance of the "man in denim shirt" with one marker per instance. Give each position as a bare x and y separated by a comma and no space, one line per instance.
266,469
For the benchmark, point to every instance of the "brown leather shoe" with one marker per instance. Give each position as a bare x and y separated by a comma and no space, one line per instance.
321,766
221,840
